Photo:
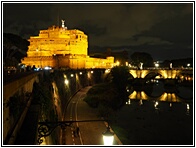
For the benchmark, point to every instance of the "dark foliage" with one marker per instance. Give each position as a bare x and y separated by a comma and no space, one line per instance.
141,57
14,49
178,62
111,94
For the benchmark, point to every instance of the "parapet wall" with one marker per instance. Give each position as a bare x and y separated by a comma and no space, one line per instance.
24,85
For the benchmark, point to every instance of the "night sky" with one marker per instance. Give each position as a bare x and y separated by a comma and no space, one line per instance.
164,30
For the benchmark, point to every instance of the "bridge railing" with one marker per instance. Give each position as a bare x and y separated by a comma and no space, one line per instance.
162,68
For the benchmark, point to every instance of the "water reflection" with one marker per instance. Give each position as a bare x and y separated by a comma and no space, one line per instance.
128,102
157,115
170,104
141,102
156,104
187,109
168,97
157,94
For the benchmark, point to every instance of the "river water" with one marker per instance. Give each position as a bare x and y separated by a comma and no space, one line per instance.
156,117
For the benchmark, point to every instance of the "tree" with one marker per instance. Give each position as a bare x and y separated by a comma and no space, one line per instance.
112,94
141,57
14,49
120,76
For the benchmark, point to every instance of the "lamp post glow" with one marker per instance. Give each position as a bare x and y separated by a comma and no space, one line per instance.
170,66
188,65
141,65
107,70
156,65
72,75
108,137
66,82
117,63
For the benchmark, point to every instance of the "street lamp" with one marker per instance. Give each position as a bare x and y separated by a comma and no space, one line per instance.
72,75
141,65
156,65
170,65
117,63
108,137
188,65
66,82
107,71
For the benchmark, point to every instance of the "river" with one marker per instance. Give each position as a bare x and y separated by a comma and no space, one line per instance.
161,116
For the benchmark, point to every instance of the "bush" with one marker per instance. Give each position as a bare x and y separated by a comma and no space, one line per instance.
98,89
92,100
105,94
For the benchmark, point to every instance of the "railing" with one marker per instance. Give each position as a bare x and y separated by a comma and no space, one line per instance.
46,128
162,68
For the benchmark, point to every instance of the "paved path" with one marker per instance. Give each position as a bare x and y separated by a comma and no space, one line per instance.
90,133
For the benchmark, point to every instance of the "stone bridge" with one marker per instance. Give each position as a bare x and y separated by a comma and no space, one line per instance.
162,73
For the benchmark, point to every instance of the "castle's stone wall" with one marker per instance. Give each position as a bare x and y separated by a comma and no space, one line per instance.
60,47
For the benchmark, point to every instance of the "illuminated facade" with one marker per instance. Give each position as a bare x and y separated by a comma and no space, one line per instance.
59,47
164,73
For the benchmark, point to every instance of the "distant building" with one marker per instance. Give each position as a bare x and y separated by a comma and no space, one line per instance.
121,56
58,47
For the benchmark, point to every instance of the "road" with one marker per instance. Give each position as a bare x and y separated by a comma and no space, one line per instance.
90,133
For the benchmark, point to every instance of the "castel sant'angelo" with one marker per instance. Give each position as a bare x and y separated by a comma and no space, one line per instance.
59,47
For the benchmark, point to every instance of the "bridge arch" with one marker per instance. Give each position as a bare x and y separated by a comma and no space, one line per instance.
136,73
152,75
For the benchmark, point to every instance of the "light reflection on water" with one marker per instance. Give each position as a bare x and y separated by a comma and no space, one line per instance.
157,117
168,97
183,97
175,94
163,106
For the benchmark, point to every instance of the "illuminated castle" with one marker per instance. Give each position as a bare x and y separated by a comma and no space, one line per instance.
59,47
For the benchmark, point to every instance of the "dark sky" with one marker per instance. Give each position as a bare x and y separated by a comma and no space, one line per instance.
165,30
